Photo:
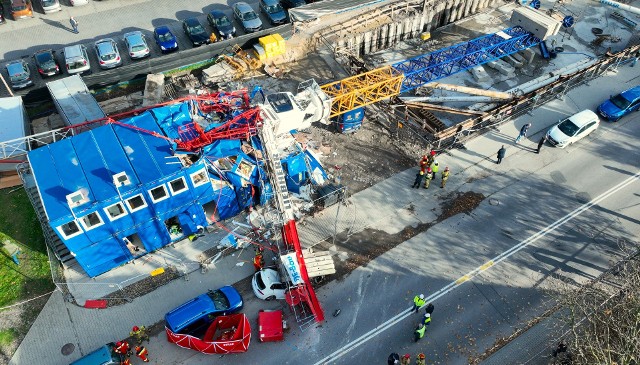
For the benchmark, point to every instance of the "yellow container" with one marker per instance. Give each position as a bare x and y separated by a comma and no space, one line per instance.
157,271
268,43
281,43
425,36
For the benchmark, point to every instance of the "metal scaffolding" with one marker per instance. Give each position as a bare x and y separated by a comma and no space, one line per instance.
463,56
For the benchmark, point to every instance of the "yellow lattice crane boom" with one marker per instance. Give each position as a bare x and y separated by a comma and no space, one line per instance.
363,89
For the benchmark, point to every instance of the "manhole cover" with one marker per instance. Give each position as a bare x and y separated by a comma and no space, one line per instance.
559,49
494,201
68,349
596,31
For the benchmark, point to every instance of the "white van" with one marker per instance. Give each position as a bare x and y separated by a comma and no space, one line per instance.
76,59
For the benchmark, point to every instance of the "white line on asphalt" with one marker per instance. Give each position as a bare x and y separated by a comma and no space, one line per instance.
471,274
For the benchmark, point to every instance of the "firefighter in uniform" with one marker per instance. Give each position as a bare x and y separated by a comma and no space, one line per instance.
405,360
140,334
424,163
420,359
142,353
427,178
258,259
445,177
122,348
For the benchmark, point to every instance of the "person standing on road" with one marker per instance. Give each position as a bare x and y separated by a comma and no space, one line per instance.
419,177
523,132
434,167
541,143
427,178
418,302
393,359
74,24
142,353
424,163
426,319
406,360
501,153
431,157
139,333
445,177
419,332
421,359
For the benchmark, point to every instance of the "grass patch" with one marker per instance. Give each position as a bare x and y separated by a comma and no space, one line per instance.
19,227
7,336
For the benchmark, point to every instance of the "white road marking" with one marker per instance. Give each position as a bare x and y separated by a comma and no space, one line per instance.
471,274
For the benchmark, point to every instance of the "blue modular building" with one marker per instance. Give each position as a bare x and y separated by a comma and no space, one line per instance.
114,193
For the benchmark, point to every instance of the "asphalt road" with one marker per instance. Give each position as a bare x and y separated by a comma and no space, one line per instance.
105,19
548,221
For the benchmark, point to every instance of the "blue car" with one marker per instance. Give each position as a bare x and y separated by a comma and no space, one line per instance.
195,316
102,356
619,105
274,11
165,39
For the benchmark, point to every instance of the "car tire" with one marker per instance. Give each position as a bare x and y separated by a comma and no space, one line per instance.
270,298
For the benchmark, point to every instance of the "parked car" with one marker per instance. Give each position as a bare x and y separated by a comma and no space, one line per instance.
221,23
274,11
2,18
247,17
165,39
573,128
19,74
107,53
21,9
46,62
78,2
102,356
50,6
194,316
267,285
195,31
288,4
76,59
619,105
137,46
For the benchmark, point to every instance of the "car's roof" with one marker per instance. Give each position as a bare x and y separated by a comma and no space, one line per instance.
271,2
162,29
134,35
243,7
583,117
44,51
15,66
269,275
217,14
632,94
99,356
191,21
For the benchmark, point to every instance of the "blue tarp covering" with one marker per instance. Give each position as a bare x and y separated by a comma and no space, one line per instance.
223,148
296,171
171,117
226,203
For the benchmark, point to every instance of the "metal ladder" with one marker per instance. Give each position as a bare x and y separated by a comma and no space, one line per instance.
276,173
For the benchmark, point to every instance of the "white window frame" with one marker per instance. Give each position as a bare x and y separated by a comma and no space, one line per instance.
166,192
136,209
87,228
116,178
84,200
204,181
184,181
61,231
106,211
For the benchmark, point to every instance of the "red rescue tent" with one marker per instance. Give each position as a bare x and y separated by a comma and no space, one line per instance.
226,334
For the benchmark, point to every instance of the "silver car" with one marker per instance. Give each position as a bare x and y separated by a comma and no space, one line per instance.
137,46
50,6
247,17
108,54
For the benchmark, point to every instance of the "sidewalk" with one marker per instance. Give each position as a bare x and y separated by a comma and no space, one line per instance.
382,206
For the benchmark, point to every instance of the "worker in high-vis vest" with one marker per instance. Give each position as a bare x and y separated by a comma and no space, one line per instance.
418,302
419,332
427,318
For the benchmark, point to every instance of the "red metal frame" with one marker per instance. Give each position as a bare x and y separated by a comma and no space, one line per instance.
290,234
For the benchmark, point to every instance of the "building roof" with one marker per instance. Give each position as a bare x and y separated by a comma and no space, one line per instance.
12,124
75,100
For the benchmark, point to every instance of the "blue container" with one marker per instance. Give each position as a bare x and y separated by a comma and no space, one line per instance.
350,121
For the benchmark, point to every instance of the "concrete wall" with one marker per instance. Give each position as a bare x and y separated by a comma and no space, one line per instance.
425,17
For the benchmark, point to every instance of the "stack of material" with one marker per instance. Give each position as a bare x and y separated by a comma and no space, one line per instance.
536,22
270,46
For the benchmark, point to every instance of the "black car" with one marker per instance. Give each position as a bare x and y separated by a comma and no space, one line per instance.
46,63
195,31
288,4
220,22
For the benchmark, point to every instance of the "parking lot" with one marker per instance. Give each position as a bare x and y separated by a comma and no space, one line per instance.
105,19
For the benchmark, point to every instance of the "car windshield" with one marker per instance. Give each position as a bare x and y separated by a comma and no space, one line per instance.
48,2
259,281
196,29
16,72
219,299
79,63
568,127
221,22
167,37
43,58
249,16
620,102
18,8
274,8
138,48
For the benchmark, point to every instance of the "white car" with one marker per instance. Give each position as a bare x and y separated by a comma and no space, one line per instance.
573,128
267,285
137,46
51,6
79,2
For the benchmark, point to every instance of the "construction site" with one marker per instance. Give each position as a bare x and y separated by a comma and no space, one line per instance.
204,168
